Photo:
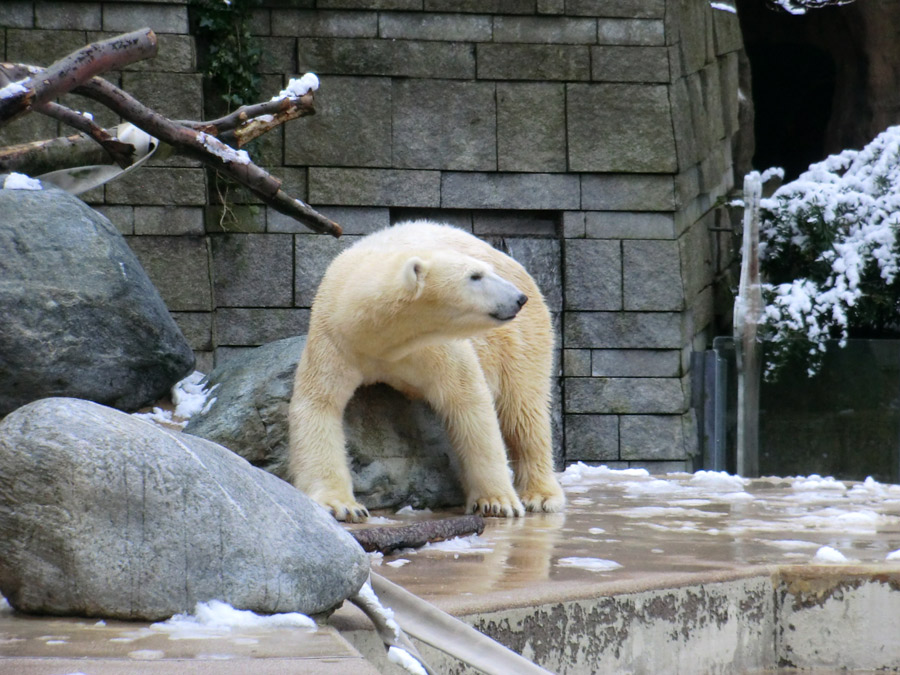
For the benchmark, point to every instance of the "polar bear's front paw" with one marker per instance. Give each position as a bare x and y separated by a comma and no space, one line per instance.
348,510
548,498
497,505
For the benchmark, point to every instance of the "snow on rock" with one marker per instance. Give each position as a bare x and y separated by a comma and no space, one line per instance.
19,181
405,660
893,555
592,564
298,87
189,396
816,482
225,152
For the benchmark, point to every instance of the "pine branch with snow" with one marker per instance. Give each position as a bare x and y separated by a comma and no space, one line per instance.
829,250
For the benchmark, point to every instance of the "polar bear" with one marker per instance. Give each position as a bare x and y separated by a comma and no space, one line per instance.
437,314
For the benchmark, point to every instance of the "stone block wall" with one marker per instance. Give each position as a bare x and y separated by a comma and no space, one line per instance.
589,138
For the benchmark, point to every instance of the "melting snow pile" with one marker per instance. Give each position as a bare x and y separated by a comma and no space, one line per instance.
19,181
218,619
189,396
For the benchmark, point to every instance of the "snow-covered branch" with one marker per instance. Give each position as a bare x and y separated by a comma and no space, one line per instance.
801,6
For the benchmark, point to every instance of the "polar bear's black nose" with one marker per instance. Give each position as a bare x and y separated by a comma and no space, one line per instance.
522,299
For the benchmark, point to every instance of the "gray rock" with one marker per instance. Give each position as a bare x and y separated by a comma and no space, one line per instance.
398,449
105,514
80,316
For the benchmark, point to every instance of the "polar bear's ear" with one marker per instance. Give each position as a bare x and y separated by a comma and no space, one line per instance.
413,275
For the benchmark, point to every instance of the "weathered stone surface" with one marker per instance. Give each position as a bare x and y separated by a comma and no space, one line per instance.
541,257
545,30
624,395
80,316
309,23
176,95
353,220
445,27
256,326
623,330
41,47
179,267
630,64
314,252
103,514
648,32
171,220
593,274
627,192
620,127
514,223
83,16
369,4
374,187
197,330
634,363
338,135
577,362
121,18
652,437
398,448
531,127
652,275
398,58
631,9
628,225
424,111
159,185
592,438
17,14
539,191
533,62
252,270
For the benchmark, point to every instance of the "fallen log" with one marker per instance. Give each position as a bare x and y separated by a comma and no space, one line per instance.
392,538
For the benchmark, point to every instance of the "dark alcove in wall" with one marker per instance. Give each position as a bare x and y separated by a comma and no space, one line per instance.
811,87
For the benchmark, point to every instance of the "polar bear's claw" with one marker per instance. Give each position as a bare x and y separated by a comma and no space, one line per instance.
350,513
497,507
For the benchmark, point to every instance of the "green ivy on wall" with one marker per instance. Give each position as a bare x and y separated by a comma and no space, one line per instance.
228,53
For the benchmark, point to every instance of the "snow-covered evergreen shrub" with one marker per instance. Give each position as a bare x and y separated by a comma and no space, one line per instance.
829,252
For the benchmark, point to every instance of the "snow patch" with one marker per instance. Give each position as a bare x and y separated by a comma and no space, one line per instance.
224,152
12,90
827,554
218,619
298,87
19,181
592,564
405,660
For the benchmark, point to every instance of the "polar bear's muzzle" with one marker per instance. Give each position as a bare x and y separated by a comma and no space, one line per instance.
509,310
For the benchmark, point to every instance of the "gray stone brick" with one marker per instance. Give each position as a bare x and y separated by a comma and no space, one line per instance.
353,220
533,62
252,270
254,326
374,187
446,27
593,274
175,95
687,185
635,363
42,47
120,216
551,6
339,134
629,9
397,58
627,192
630,64
278,55
573,224
726,32
68,15
624,225
304,23
652,275
177,54
651,437
482,6
728,85
179,268
697,263
247,218
457,218
427,133
661,468
592,438
314,253
683,124
690,28
545,30
17,14
197,330
159,185
261,22
647,32
168,220
539,191
369,4
28,128
514,223
531,127
624,396
620,127
125,17
541,257
622,330
576,362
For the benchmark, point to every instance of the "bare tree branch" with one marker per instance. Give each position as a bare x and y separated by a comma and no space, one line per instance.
121,153
40,157
250,121
17,98
391,538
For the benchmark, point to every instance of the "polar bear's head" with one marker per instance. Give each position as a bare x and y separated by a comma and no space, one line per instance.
460,293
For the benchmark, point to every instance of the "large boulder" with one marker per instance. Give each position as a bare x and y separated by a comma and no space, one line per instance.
399,451
105,514
80,317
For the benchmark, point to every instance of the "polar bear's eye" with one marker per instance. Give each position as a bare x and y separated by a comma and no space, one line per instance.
476,276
